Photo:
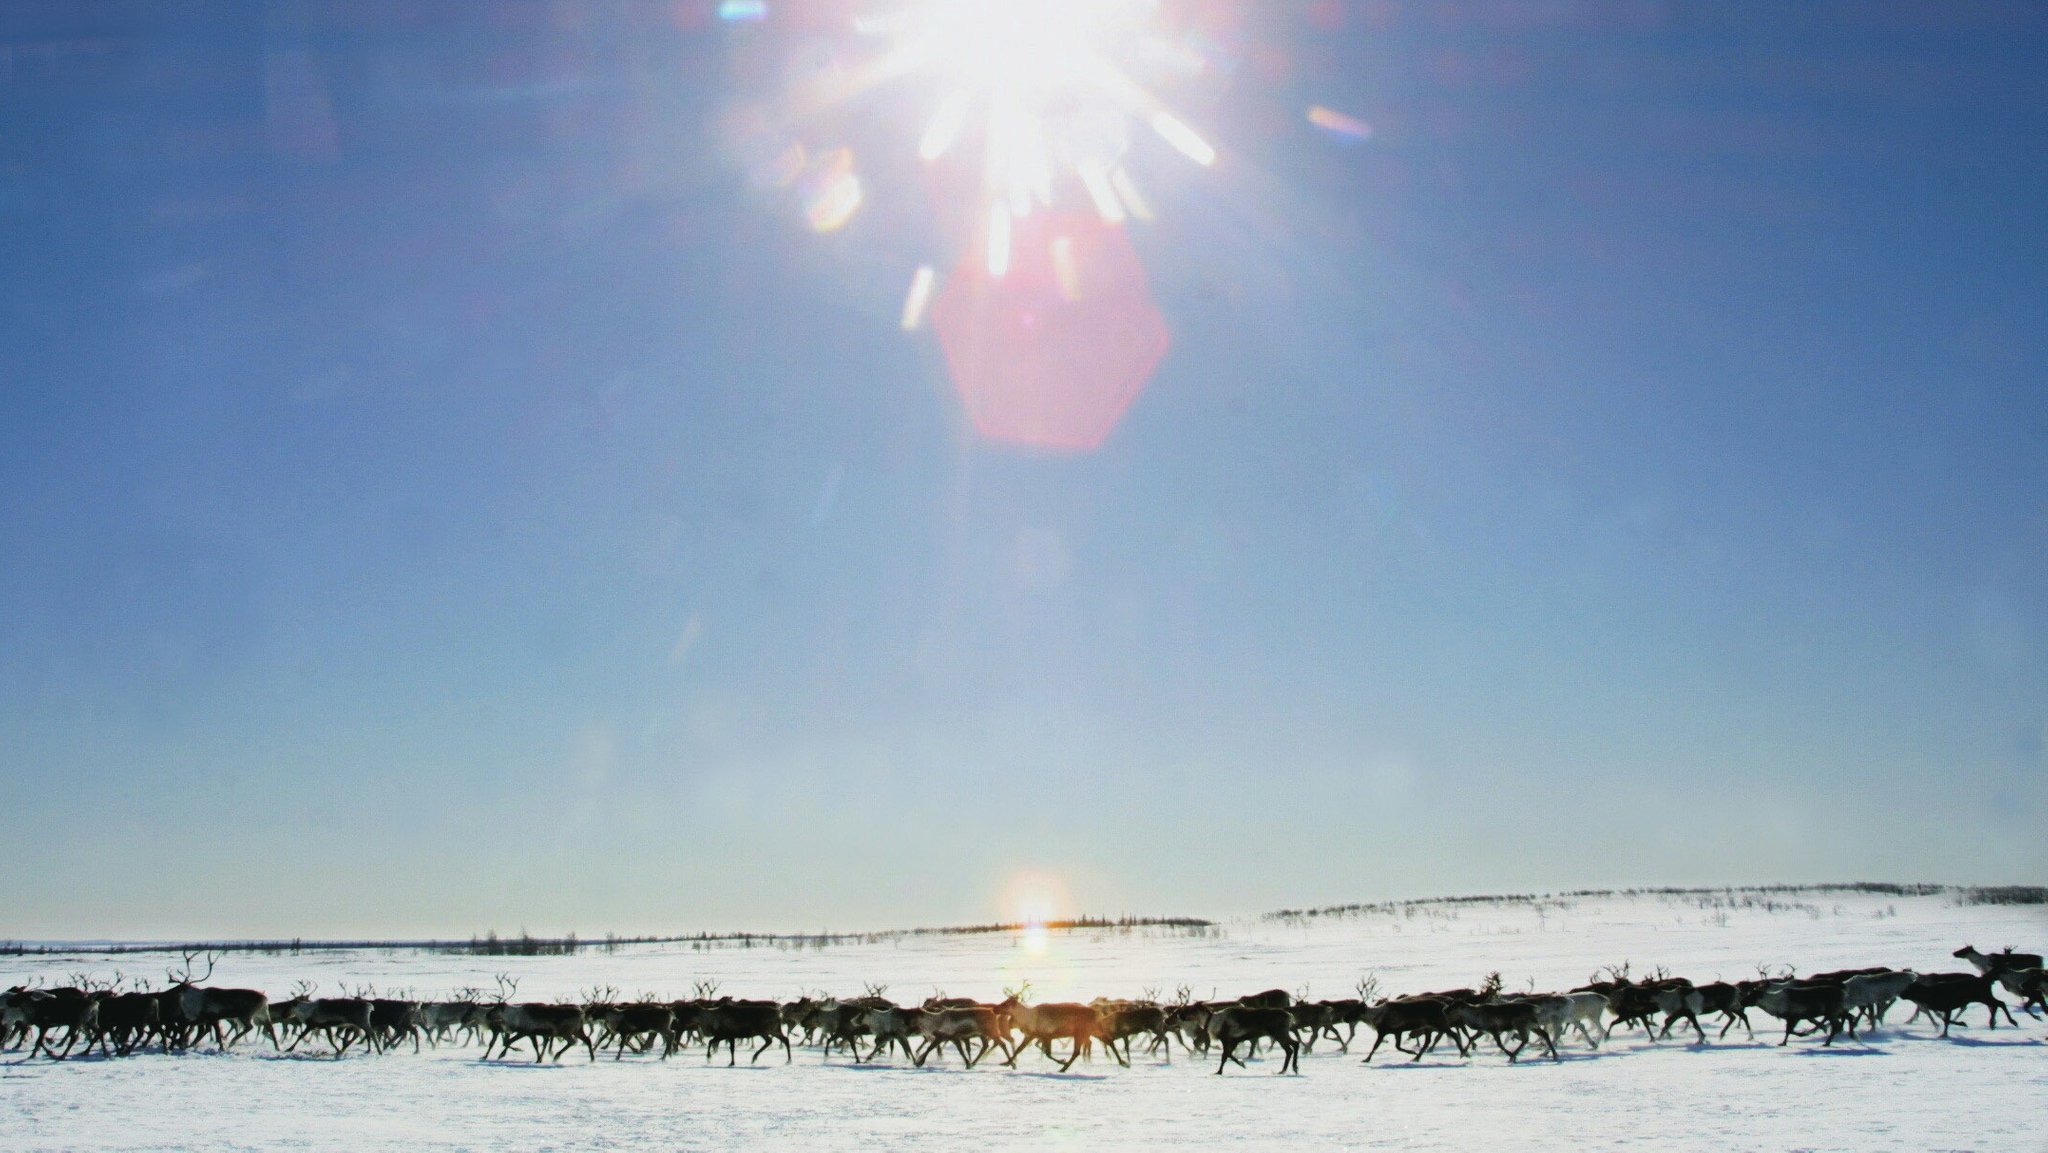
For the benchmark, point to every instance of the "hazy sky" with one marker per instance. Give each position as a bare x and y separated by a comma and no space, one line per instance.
443,489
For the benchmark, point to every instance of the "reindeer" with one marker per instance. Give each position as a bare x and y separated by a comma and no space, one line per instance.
1311,1020
1427,1019
642,1023
1676,998
174,1024
440,1020
192,1010
842,1024
544,1025
1240,1024
1793,1003
959,1024
1270,999
1872,994
128,1019
890,1025
345,1018
73,1010
1494,1018
1731,1001
1556,1013
728,1021
1993,964
1122,1020
1948,994
1043,1024
1188,1019
801,1015
394,1020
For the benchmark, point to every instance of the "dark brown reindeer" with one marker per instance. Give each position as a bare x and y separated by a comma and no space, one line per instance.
1425,1019
74,1010
128,1019
1795,1003
729,1022
1946,995
341,1021
544,1025
1241,1024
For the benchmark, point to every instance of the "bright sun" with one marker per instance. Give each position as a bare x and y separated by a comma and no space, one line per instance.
1037,81
1031,51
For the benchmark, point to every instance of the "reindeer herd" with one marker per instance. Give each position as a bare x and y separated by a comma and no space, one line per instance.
85,1017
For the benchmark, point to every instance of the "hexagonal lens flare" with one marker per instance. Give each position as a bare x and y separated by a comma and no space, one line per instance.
1052,349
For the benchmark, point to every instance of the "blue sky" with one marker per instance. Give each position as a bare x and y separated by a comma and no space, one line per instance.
440,492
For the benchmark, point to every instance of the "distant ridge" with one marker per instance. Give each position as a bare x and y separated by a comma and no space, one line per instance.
523,944
1963,894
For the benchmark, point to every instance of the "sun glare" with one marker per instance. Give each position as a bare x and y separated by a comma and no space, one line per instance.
1029,119
1036,83
1028,50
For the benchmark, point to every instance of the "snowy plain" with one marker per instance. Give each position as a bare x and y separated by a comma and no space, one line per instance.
1899,1089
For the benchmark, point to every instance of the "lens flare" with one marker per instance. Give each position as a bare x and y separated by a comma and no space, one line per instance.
919,298
1037,112
1337,123
1187,140
831,191
1039,82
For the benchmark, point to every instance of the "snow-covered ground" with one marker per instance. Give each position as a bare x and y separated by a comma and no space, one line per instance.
1901,1089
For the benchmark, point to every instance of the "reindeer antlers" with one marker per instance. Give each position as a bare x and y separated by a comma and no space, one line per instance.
183,976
